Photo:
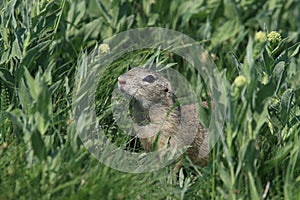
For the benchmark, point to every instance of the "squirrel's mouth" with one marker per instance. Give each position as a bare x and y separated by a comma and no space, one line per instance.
121,87
124,91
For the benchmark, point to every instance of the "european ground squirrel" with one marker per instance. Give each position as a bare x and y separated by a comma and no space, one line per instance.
155,110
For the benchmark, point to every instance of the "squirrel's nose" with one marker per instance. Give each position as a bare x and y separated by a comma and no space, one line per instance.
121,80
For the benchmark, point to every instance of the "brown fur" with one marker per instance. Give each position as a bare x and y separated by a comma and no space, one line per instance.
154,111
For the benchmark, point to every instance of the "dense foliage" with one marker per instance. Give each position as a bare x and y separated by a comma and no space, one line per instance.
255,45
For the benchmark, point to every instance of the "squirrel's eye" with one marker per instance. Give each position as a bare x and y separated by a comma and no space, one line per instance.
149,79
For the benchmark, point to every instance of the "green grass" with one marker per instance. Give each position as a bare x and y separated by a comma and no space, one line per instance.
41,43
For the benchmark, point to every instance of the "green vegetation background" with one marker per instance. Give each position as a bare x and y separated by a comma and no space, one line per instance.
41,156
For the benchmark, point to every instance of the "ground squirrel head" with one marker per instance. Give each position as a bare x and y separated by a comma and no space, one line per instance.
147,87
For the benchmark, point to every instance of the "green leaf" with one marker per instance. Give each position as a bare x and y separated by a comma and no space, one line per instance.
38,145
42,122
4,36
225,176
15,118
285,105
260,119
263,94
44,110
152,19
33,53
32,85
247,155
295,52
278,73
253,187
6,77
25,98
16,51
104,12
226,31
76,12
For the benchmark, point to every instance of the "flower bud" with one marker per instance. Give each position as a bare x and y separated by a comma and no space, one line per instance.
104,48
274,37
240,81
261,36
